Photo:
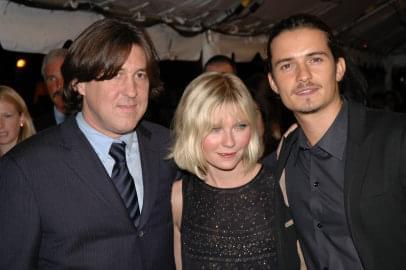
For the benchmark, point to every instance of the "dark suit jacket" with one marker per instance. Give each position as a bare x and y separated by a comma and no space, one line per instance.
45,121
59,209
374,186
43,113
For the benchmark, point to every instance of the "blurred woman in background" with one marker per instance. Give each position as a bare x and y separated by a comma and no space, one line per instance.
15,120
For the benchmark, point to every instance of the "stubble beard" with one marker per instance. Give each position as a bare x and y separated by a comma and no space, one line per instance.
309,108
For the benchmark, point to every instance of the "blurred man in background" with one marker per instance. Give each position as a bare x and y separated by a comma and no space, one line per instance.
51,72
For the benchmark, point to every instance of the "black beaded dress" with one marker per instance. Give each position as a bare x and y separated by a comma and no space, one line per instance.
228,228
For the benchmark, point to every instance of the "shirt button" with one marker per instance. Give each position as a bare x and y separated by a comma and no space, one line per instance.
141,233
316,184
319,225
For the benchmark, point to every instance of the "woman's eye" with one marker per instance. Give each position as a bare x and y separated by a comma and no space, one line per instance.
241,126
215,129
8,115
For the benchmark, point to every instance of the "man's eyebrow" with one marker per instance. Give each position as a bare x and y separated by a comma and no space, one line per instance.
317,53
287,59
137,70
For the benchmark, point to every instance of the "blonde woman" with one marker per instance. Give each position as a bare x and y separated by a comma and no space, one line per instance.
223,206
15,121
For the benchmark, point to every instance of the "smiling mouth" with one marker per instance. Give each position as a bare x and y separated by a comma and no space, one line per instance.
127,107
226,155
305,90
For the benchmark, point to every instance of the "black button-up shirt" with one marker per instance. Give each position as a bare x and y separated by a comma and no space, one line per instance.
314,183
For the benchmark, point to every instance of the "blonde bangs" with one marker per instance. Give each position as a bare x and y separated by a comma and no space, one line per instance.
194,119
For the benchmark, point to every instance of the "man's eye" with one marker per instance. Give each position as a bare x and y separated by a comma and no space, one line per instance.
51,79
285,66
141,76
316,60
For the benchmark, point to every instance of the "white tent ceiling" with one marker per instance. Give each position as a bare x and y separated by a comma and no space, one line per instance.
37,30
187,30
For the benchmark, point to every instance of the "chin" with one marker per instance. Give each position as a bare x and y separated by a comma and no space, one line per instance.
227,167
308,108
122,130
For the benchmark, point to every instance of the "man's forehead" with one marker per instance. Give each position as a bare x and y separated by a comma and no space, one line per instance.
305,40
55,61
300,32
136,57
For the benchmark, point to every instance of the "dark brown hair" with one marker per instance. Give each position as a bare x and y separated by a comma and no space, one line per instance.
303,21
99,52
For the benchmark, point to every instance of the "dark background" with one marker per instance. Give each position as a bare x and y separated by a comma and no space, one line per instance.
177,74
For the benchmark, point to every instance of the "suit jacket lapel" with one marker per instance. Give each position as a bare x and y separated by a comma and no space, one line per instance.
282,159
150,171
83,160
358,152
358,149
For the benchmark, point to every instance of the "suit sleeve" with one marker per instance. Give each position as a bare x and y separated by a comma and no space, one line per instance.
403,161
19,219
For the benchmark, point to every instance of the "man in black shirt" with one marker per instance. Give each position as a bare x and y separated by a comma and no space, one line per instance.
342,172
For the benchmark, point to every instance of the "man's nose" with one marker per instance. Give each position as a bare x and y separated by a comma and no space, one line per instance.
303,72
130,88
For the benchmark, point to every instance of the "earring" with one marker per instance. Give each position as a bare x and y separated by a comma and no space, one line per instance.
21,124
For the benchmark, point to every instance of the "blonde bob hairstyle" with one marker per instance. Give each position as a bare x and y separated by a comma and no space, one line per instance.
8,94
193,119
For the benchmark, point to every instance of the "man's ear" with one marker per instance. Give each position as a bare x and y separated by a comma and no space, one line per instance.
340,69
79,87
272,83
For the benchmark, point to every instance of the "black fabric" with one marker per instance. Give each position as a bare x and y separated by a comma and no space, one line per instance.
123,181
45,121
229,228
374,185
60,210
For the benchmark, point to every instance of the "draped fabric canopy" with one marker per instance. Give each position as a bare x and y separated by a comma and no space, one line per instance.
373,30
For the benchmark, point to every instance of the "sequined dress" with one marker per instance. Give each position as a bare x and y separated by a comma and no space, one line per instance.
228,228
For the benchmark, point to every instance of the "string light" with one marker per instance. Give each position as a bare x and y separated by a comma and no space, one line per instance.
21,63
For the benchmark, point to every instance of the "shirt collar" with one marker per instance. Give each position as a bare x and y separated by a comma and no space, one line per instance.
100,142
333,141
59,116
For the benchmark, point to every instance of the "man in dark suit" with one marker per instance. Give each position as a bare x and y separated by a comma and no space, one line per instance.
94,192
342,172
49,116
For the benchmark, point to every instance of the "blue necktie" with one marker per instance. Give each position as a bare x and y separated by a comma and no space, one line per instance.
123,181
